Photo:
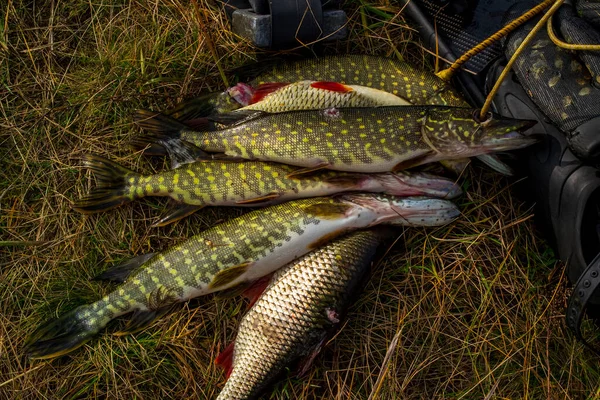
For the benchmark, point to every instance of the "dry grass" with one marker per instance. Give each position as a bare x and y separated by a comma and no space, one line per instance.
473,310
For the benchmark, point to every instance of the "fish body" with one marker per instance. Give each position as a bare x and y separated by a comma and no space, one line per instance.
239,250
397,77
370,140
252,183
311,95
296,313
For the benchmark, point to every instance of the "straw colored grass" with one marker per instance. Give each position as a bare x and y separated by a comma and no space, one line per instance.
472,310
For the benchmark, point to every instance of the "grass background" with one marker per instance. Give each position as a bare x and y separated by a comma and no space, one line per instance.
473,310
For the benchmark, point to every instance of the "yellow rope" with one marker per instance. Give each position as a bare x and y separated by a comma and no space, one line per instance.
513,58
565,45
450,71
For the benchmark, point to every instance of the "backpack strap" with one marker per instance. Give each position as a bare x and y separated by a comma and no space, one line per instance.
582,292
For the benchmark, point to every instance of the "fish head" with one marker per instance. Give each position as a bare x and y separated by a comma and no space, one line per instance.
460,132
241,93
405,211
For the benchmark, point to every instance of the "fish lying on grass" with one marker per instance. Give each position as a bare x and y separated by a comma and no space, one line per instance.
399,78
310,95
412,85
251,184
238,251
378,139
297,312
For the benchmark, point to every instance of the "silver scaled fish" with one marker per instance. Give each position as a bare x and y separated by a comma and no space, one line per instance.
235,252
297,312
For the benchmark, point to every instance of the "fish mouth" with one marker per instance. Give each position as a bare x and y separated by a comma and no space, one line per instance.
514,136
407,211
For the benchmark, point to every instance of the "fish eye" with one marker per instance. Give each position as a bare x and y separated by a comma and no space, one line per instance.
478,119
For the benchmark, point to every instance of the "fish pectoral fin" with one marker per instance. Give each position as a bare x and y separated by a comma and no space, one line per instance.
328,210
347,180
160,302
225,359
176,213
332,86
140,320
413,162
119,273
256,289
457,166
308,170
260,200
228,275
264,89
305,364
492,161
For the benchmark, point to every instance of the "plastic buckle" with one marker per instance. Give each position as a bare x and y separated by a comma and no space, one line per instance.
289,23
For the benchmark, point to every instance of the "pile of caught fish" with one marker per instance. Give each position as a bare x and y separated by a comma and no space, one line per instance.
328,157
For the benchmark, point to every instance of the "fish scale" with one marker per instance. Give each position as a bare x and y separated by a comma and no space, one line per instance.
400,78
307,95
354,139
296,312
249,183
236,251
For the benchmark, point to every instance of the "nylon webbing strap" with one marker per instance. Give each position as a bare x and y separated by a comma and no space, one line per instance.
295,21
582,292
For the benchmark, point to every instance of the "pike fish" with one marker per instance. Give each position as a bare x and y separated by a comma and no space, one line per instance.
371,140
251,184
298,311
240,250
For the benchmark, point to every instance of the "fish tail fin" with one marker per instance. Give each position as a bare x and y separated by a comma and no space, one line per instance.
165,131
62,335
114,185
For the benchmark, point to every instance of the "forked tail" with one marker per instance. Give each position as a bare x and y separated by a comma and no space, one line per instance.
114,185
68,332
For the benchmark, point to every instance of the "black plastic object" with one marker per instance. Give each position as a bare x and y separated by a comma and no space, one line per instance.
295,20
566,191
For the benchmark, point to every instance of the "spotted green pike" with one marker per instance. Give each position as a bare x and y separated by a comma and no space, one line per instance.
222,183
300,308
352,139
240,250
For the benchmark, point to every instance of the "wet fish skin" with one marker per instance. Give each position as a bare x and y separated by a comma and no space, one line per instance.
298,310
354,139
222,183
311,95
240,250
397,77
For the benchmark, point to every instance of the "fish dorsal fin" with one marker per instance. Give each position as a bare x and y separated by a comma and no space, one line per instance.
225,359
308,170
332,86
119,273
265,89
256,289
228,275
201,124
176,213
328,210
